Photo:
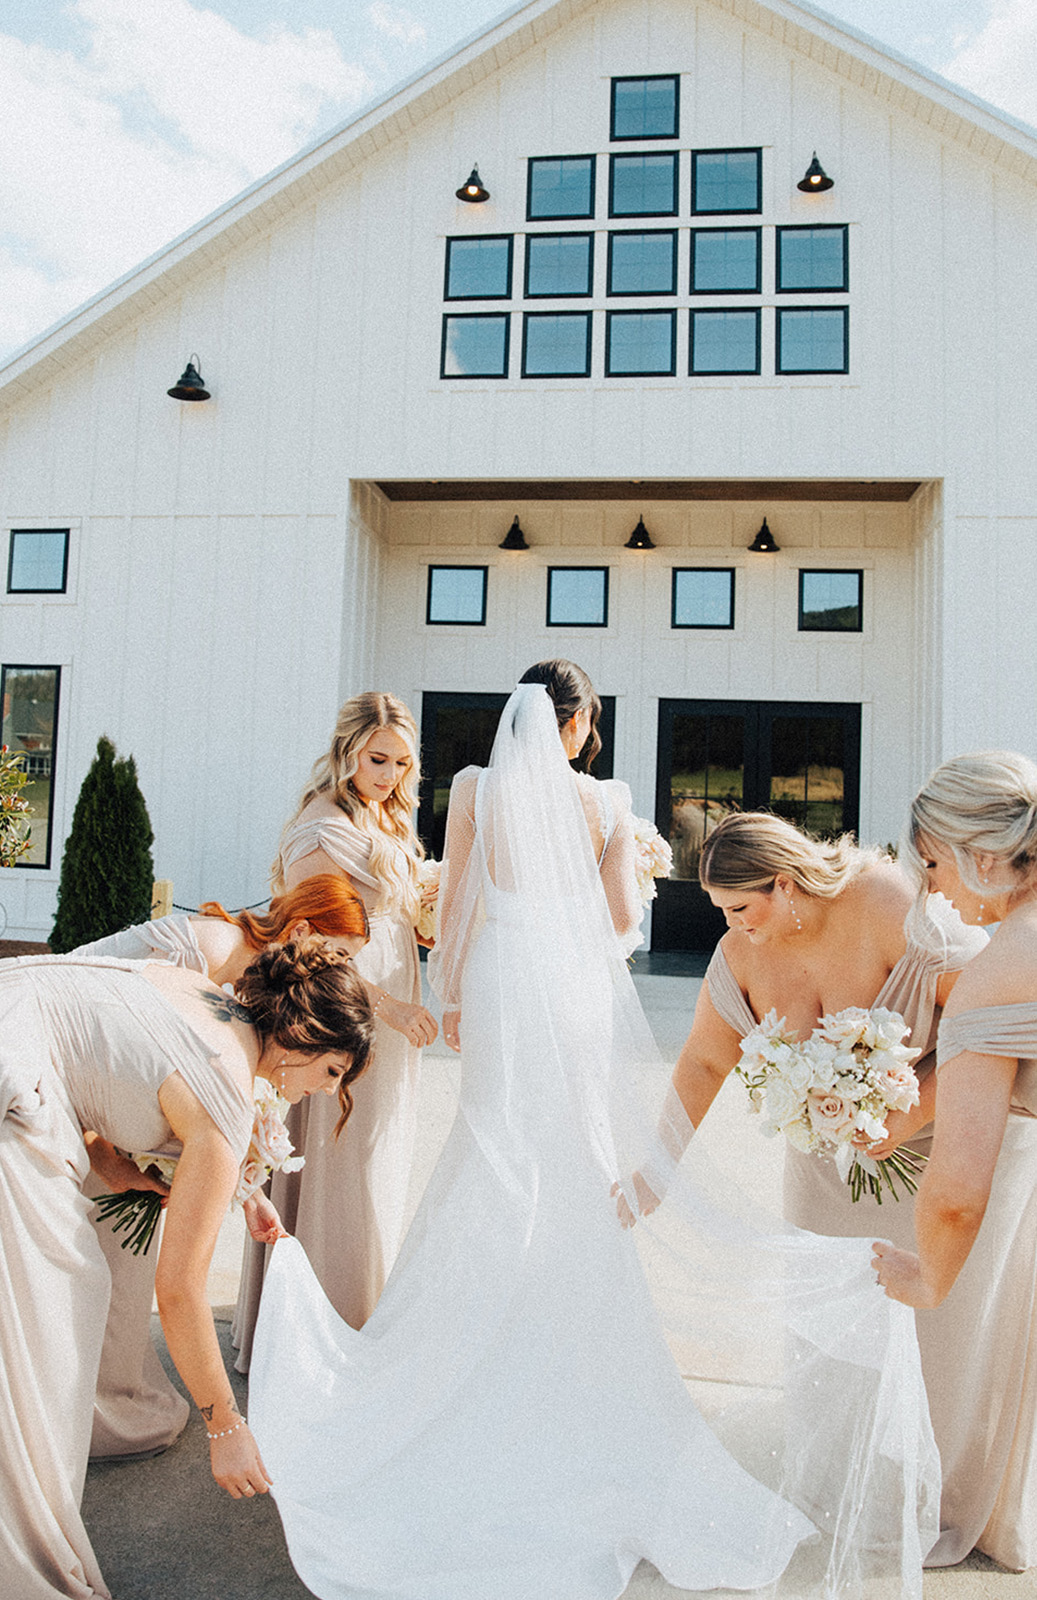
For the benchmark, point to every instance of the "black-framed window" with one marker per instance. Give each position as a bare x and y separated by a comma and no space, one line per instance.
456,595
724,342
475,346
702,597
726,181
478,267
643,185
643,263
813,339
556,344
725,260
645,108
640,344
812,258
29,698
831,600
559,264
577,597
559,186
37,561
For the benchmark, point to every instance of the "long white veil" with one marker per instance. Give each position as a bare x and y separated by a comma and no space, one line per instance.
808,1373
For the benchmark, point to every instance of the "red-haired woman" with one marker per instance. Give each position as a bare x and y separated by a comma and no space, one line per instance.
137,1409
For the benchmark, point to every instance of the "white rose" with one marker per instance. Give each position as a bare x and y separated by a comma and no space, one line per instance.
831,1116
781,1102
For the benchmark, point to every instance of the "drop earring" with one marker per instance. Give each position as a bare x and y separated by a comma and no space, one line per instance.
795,913
985,881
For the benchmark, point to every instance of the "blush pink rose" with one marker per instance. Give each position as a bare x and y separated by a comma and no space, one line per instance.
830,1115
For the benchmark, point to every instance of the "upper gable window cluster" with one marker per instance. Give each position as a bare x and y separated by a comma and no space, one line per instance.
653,241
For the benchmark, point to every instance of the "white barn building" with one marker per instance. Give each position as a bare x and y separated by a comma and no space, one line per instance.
647,324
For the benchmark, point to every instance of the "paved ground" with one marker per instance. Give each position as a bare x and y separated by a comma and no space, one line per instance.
161,1529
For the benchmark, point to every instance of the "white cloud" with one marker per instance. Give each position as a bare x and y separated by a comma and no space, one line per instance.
397,24
112,152
999,62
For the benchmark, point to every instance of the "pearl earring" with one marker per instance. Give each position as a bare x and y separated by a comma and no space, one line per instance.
985,881
795,913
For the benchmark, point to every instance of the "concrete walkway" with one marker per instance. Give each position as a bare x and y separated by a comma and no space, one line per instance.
161,1529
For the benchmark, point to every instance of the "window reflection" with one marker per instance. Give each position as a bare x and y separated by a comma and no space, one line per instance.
38,561
456,594
28,724
475,347
830,602
577,597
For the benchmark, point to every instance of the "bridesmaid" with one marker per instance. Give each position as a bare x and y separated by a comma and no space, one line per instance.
136,1409
972,836
347,1204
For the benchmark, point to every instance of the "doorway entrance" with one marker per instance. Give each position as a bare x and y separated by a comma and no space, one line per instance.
800,760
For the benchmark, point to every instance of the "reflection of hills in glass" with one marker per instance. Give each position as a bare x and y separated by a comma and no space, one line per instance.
838,619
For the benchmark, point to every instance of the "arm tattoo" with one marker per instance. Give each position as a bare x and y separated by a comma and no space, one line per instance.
207,1411
226,1008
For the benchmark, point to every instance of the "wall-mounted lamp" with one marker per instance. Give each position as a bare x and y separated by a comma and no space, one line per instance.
472,189
640,539
815,180
189,385
514,539
764,543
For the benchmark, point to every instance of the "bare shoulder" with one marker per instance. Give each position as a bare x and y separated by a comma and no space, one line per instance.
878,901
1005,972
217,940
740,954
320,807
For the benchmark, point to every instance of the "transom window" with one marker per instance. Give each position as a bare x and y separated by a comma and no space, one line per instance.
703,597
645,108
725,261
475,346
577,597
813,339
643,263
643,185
37,561
725,180
830,601
559,264
456,595
724,342
556,344
560,186
479,268
812,258
29,727
640,343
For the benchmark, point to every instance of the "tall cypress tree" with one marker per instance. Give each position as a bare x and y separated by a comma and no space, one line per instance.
106,871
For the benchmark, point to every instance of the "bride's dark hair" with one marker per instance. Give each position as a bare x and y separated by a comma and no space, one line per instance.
571,691
305,995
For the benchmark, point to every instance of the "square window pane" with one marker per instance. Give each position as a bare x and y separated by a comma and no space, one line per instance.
456,594
725,261
556,346
703,597
560,186
830,602
640,343
577,597
642,263
725,341
812,340
644,108
725,180
643,186
478,269
559,263
38,561
28,726
475,347
812,258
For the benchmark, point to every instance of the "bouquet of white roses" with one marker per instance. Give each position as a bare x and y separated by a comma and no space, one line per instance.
428,884
824,1092
653,858
270,1150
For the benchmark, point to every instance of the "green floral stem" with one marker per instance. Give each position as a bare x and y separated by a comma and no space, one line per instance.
906,1166
137,1211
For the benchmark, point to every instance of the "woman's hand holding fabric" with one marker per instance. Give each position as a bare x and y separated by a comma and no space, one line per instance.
900,1273
452,1030
417,1025
262,1219
634,1198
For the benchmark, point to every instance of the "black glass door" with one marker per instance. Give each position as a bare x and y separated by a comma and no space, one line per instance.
800,760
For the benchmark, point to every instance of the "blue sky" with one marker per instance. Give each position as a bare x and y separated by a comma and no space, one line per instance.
123,122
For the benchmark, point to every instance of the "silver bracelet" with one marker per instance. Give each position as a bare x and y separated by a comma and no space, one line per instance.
241,1423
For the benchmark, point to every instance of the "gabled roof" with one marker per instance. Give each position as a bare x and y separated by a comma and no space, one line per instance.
991,135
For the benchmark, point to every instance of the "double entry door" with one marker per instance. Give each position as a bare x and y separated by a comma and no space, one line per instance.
800,760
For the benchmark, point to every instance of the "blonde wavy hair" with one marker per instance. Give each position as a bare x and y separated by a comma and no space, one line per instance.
384,822
748,850
986,802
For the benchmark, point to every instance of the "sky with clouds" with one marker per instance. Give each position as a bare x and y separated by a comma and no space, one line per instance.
124,122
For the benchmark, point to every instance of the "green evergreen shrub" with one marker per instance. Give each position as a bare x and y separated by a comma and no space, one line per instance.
106,871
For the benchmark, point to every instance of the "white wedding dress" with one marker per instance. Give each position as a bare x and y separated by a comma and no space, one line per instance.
510,1424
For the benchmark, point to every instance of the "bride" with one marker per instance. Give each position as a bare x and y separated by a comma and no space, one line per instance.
510,1423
